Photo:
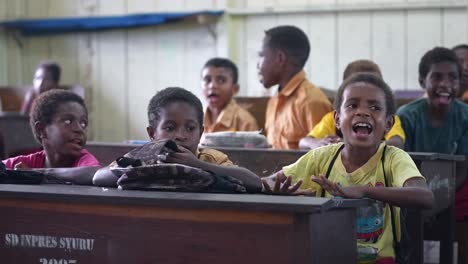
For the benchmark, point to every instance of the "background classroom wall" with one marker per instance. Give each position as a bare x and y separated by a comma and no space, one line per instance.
121,69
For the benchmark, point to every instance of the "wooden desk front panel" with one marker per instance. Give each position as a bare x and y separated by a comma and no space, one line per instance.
47,232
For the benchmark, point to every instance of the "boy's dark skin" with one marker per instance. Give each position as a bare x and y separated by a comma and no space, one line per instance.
218,88
274,66
441,85
178,122
63,141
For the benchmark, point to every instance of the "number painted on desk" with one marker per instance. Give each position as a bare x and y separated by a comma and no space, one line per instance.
57,261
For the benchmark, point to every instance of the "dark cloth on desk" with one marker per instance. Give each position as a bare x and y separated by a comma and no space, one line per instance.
139,170
19,176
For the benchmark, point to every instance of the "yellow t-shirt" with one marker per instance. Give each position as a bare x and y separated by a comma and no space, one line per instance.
326,127
374,223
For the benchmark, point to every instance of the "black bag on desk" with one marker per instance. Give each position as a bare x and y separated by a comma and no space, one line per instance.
19,176
138,170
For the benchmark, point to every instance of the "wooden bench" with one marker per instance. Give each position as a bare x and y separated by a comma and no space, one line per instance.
79,224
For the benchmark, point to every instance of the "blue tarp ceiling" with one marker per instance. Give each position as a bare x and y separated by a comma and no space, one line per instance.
37,27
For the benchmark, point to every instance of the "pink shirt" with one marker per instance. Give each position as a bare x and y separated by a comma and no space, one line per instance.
36,160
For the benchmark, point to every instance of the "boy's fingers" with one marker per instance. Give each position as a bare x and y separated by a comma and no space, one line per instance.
277,186
286,184
296,186
266,186
315,179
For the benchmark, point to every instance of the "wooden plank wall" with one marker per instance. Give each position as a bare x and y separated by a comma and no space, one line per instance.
121,69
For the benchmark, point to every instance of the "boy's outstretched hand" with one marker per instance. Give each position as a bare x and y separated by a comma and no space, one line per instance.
335,189
279,186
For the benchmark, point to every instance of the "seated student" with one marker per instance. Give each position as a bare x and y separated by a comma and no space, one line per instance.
177,114
59,121
361,166
439,122
462,53
324,133
299,105
46,77
219,83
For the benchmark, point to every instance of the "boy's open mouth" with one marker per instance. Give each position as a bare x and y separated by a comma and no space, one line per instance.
213,96
362,129
77,141
443,97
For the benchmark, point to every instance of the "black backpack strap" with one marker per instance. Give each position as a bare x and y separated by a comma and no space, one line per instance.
330,166
392,208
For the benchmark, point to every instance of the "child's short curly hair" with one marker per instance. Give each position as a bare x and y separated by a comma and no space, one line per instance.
291,40
46,105
224,63
437,55
171,95
368,78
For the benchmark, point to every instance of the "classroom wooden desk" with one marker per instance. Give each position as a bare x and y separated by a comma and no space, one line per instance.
440,171
81,224
443,178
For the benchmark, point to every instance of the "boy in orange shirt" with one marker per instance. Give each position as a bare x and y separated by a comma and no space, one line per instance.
219,83
299,104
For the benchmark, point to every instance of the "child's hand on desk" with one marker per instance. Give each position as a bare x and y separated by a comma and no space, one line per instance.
21,166
335,189
283,187
182,156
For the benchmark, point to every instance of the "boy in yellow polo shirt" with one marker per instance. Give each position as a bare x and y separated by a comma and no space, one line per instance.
219,83
324,133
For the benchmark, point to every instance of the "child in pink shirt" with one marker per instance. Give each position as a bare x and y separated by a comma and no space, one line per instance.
59,122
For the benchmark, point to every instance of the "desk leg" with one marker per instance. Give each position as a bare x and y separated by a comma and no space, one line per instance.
414,225
447,221
318,236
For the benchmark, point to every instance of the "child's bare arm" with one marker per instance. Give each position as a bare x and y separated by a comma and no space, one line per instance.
414,193
77,175
105,178
251,181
